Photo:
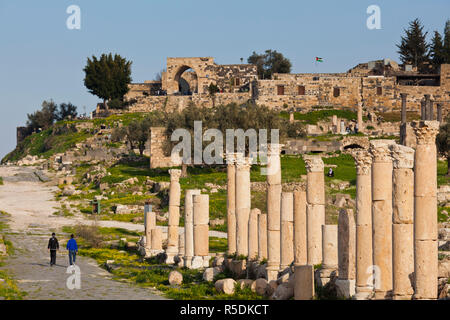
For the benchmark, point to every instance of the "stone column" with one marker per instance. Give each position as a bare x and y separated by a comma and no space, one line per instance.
427,106
189,226
360,117
179,259
231,202
315,211
364,287
439,112
174,215
329,253
345,284
156,240
403,96
287,230
343,127
243,203
253,234
149,225
300,237
425,210
422,110
201,228
273,210
403,217
262,236
382,216
334,124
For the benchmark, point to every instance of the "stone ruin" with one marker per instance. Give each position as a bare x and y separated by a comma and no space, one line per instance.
388,249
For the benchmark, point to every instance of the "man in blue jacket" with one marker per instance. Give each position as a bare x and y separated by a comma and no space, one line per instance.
73,249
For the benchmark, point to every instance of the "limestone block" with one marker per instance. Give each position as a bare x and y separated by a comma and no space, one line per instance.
175,278
225,286
304,282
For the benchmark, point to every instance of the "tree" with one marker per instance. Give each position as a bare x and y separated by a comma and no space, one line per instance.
66,110
136,133
443,142
107,77
269,63
446,44
212,90
44,118
413,48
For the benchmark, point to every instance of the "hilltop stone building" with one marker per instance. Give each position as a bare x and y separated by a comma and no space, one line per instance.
376,85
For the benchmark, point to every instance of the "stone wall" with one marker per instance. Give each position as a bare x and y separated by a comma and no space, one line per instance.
158,159
238,83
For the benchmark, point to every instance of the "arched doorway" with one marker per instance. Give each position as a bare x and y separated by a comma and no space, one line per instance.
187,81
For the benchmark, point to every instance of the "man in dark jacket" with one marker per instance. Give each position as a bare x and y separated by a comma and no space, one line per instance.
73,249
53,245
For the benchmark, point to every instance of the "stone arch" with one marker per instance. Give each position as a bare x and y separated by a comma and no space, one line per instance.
353,142
186,86
204,68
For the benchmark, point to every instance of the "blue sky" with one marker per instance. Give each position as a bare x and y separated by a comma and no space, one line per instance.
41,59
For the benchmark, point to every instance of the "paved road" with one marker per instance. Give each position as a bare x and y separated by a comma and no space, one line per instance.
30,204
30,266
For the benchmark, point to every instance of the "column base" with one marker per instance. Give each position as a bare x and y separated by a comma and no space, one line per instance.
272,273
149,253
170,258
382,295
345,288
206,261
187,261
197,262
363,293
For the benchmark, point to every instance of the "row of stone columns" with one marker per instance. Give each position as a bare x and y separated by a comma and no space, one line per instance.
403,216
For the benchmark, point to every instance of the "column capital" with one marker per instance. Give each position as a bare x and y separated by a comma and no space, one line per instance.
379,149
403,95
363,161
175,174
402,156
425,131
313,163
230,158
243,163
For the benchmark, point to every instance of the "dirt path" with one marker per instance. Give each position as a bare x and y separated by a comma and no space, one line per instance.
30,204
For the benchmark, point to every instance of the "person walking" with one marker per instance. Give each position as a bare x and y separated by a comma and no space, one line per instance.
73,249
53,246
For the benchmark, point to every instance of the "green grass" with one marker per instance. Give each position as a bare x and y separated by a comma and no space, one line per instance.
1,181
46,144
218,244
8,288
442,177
151,274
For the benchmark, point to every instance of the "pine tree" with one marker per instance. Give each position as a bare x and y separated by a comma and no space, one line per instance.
446,48
108,77
413,48
437,52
